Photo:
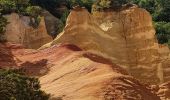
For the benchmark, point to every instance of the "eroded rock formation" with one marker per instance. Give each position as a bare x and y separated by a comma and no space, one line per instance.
19,31
69,73
146,59
127,37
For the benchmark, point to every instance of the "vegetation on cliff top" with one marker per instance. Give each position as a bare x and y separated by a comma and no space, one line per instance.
3,23
60,9
17,86
159,9
109,4
22,7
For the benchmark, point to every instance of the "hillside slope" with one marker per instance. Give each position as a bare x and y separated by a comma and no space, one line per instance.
127,37
68,72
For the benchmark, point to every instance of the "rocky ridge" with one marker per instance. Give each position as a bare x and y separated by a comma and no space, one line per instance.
127,37
88,73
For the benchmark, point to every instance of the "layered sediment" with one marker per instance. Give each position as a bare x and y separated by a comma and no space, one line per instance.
68,73
127,37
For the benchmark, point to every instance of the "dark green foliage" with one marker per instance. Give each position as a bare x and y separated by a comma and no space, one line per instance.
64,16
119,3
3,23
7,6
160,10
61,9
50,5
111,4
163,11
163,31
58,8
83,3
22,7
18,6
14,85
34,12
149,5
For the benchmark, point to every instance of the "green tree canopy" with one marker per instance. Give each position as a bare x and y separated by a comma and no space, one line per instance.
3,23
84,3
18,6
112,4
160,10
22,7
14,85
163,31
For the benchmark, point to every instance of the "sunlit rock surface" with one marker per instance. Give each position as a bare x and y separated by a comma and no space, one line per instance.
146,59
19,31
70,73
127,37
67,72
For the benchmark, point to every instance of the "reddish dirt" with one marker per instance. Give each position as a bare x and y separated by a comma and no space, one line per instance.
120,86
15,56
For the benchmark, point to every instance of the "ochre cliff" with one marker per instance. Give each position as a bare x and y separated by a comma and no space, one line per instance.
146,59
67,72
127,37
19,31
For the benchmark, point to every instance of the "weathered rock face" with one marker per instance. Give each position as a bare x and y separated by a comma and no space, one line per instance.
146,59
164,52
72,74
134,27
127,37
19,31
163,91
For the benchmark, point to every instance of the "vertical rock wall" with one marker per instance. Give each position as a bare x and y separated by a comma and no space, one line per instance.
127,37
146,59
19,31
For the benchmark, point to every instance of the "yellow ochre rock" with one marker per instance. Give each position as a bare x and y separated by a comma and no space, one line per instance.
19,31
127,37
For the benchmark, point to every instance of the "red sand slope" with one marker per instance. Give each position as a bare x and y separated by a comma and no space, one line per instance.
68,72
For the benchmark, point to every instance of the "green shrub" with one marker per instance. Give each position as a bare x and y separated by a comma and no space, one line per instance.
7,6
14,85
3,23
83,3
112,4
22,7
160,11
163,31
33,11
